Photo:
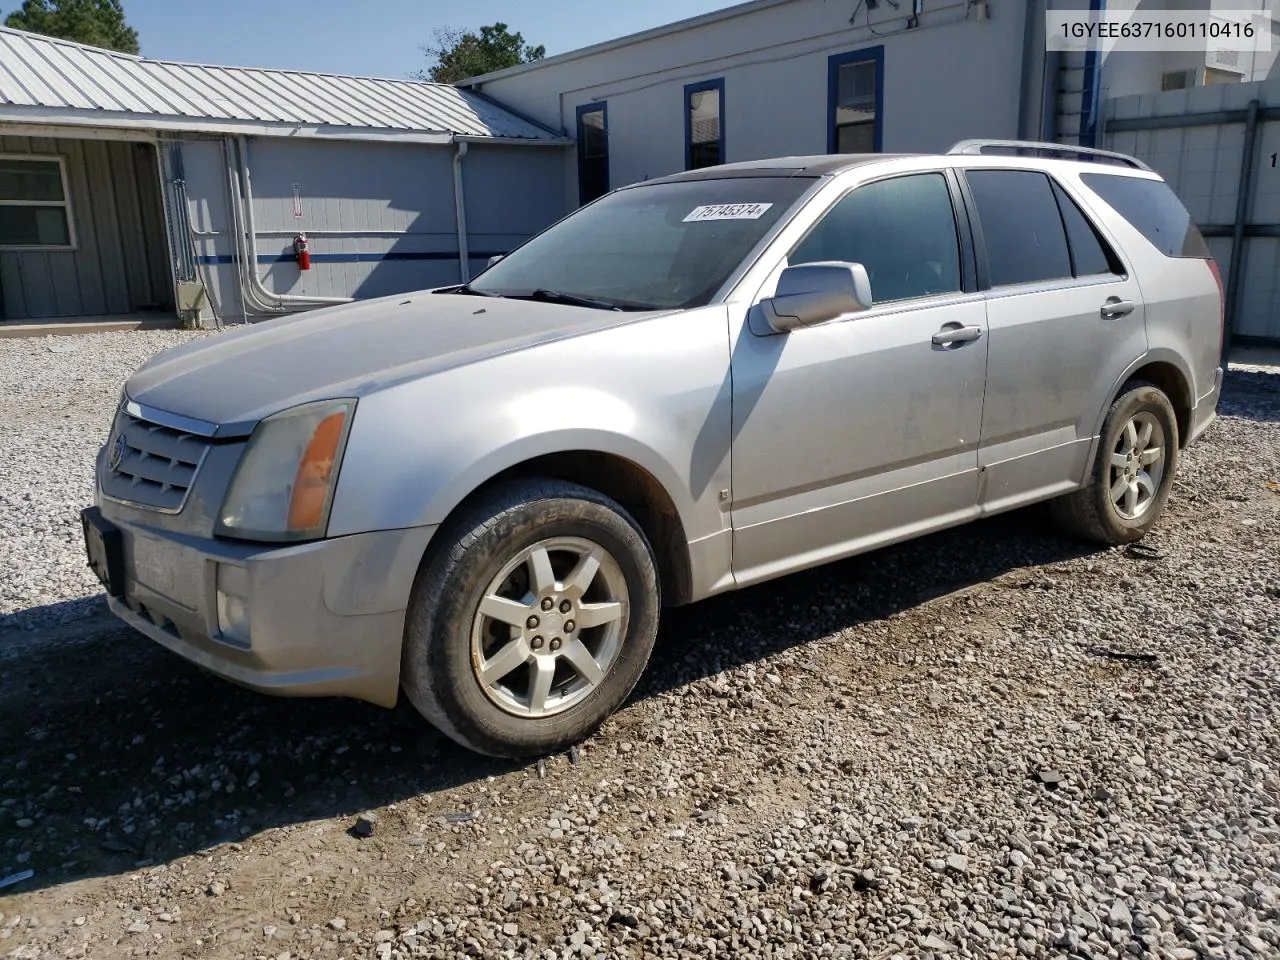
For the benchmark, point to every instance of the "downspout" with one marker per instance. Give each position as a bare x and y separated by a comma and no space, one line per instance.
1091,95
284,300
460,211
1049,97
1030,11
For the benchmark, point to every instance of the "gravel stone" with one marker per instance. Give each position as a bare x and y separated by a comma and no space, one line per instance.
839,764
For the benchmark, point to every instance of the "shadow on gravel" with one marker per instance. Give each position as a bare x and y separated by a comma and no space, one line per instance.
1251,396
117,754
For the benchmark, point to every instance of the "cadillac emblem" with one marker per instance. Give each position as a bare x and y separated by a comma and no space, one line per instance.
117,454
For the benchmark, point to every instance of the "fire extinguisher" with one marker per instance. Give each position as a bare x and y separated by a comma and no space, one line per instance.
301,253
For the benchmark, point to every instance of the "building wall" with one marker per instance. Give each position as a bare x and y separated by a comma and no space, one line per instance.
1128,73
950,78
379,217
121,264
1203,164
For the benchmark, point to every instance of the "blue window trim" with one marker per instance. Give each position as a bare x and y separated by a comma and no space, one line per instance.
834,63
1092,88
689,90
603,107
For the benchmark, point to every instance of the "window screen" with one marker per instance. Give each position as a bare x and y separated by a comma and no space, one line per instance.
854,115
902,230
593,153
704,104
1021,226
1090,254
1153,209
34,210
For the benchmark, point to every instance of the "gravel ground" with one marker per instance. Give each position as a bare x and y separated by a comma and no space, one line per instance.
987,743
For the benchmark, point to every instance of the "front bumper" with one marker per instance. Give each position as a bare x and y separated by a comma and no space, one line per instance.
315,619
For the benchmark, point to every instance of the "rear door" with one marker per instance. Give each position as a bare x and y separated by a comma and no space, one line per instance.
1066,321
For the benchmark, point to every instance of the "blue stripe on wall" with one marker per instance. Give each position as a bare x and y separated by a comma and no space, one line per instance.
350,257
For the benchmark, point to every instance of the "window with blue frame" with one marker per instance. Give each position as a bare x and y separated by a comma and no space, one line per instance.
855,100
593,151
704,124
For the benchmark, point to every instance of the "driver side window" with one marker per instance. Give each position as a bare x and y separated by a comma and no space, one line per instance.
903,230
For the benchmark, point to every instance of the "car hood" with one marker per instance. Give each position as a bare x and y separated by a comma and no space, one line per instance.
237,377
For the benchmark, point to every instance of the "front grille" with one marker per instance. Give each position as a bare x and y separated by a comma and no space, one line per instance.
151,465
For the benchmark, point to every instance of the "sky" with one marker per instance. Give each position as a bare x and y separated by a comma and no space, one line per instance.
379,38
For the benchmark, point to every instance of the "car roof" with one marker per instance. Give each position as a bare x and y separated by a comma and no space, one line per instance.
822,165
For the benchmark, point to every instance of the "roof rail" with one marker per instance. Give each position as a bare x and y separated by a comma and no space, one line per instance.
976,148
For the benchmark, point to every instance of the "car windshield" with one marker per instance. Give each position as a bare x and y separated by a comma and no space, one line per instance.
651,247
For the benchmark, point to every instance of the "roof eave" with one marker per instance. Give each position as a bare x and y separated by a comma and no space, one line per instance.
174,124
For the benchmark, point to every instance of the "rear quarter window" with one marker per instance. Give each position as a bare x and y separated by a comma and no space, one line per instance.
1154,210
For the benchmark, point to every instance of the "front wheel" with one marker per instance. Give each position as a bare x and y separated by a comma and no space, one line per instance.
1130,479
533,621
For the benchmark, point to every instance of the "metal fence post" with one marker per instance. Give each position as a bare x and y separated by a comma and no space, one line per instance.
1244,202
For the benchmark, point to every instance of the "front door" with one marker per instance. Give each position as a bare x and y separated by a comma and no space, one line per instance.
1066,321
863,430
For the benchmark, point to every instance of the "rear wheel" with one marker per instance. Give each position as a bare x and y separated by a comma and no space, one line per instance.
1130,479
533,621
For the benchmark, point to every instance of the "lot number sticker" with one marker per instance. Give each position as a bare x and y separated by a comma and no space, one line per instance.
728,211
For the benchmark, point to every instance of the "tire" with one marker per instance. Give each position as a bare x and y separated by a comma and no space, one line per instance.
1121,466
517,549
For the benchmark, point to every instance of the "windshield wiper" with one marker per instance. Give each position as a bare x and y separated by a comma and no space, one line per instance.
466,290
555,296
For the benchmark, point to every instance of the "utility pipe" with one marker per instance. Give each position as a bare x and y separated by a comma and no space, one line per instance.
247,300
460,211
283,300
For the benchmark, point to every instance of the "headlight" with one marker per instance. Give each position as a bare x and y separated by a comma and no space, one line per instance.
284,484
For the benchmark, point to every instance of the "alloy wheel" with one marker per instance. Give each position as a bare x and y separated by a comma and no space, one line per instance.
549,627
1137,466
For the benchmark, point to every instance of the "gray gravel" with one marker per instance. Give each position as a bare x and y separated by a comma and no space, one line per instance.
56,400
989,743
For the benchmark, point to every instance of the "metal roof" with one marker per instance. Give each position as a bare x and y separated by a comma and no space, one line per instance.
49,81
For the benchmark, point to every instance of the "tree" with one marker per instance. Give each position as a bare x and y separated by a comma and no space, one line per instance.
459,54
99,23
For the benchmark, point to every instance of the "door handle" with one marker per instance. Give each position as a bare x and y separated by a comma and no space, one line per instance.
1115,308
956,334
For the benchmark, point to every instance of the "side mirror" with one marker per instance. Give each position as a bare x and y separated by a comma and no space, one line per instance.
817,292
494,259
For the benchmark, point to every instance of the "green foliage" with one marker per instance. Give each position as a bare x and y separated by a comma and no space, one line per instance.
99,23
459,54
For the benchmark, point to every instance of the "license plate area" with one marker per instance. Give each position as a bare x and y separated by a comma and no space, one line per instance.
104,545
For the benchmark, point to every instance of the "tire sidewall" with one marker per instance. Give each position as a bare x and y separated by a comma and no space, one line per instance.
1139,398
438,645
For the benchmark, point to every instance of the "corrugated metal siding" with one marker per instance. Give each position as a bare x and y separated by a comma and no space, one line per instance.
380,217
1202,164
55,74
119,265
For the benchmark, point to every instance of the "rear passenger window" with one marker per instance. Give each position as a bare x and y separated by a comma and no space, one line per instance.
1021,226
903,230
1090,254
1154,210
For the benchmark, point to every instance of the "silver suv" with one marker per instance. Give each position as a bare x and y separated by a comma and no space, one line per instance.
484,494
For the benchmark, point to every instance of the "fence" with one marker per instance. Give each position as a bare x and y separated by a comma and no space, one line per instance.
1219,148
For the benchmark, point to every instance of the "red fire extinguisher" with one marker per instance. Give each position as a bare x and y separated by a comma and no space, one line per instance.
301,252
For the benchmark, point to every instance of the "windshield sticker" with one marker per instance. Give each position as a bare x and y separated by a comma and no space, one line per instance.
728,211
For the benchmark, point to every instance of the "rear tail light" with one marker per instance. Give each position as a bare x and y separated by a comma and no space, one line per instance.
1222,302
